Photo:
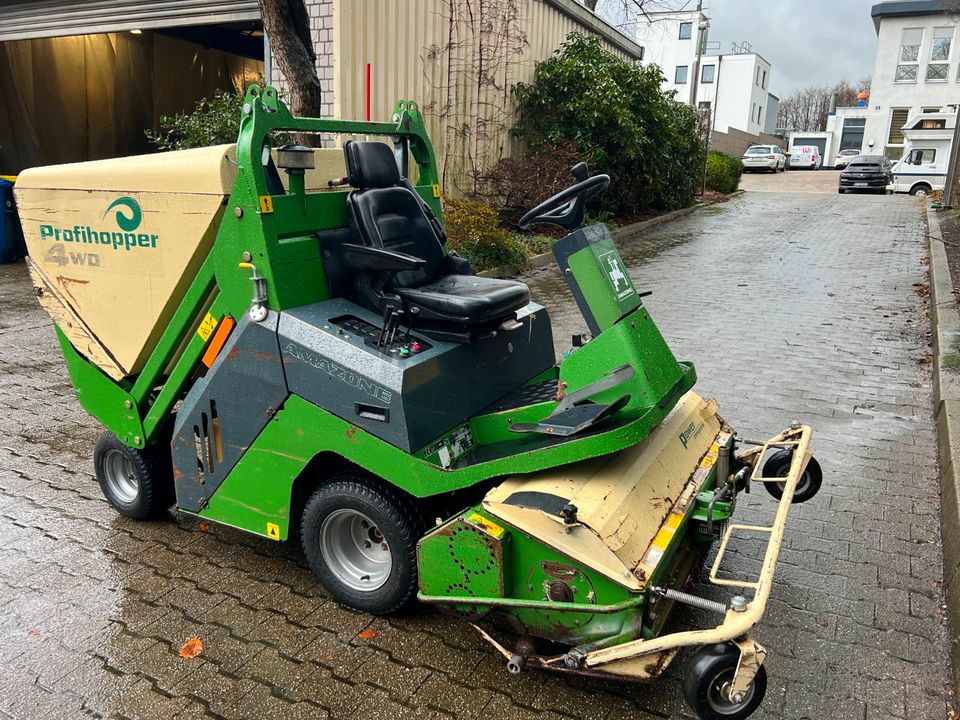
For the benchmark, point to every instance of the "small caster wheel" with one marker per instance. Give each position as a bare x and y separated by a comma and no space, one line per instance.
708,680
138,483
778,465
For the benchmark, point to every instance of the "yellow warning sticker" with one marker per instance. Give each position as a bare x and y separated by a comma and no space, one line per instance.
266,205
273,531
488,526
436,190
207,327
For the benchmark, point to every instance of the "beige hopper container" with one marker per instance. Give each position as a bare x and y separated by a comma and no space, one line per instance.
114,244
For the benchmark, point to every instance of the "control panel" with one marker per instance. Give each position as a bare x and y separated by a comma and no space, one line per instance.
390,340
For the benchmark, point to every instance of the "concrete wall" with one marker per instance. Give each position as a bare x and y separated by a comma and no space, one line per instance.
734,142
886,93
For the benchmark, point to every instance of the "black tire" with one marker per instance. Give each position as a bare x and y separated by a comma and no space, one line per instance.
138,483
709,670
778,465
920,189
841,190
349,498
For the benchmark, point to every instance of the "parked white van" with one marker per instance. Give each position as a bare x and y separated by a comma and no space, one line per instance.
805,156
927,138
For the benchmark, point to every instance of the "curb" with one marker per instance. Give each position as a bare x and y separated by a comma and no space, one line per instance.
945,322
621,233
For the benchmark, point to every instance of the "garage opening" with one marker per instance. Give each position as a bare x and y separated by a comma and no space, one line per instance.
92,96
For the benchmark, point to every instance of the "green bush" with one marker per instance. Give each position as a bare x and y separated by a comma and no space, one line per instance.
214,121
723,172
616,115
474,231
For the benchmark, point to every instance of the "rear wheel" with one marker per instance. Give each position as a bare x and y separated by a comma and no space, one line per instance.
778,465
138,483
841,191
360,540
706,687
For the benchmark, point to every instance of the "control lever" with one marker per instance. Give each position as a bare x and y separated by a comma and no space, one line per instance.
383,328
412,315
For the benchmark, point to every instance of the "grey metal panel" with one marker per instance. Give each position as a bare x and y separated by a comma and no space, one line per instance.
56,18
240,393
426,394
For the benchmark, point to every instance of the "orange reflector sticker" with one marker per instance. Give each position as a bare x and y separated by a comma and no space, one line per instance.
219,338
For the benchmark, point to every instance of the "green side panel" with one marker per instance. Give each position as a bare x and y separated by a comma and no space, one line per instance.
100,396
637,341
604,282
463,557
258,490
477,555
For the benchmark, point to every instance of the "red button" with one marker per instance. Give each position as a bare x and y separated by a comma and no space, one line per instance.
415,347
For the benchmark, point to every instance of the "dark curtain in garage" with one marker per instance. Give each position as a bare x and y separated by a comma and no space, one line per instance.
89,97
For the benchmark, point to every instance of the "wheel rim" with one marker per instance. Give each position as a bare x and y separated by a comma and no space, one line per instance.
121,477
717,697
355,550
803,483
920,191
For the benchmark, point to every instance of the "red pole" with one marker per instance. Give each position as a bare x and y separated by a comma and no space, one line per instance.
367,89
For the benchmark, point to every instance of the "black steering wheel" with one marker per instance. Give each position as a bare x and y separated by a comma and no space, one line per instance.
566,208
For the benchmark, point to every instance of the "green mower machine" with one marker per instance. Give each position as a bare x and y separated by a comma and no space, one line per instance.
290,354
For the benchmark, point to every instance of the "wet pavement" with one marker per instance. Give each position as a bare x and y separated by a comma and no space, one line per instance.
792,306
824,180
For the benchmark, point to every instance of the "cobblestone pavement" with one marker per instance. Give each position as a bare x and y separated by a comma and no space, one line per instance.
792,306
824,180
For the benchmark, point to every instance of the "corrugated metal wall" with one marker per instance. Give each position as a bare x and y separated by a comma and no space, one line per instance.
461,73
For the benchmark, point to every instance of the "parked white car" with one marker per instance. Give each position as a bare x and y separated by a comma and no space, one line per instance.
805,156
844,157
764,157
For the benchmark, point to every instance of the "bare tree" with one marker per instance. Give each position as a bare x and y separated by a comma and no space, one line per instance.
807,109
288,28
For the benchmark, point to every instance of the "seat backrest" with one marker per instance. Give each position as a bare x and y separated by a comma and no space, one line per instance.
385,214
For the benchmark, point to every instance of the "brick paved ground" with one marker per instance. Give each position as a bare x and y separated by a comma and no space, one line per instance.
824,180
792,306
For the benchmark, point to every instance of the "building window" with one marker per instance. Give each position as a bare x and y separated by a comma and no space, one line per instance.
753,110
686,30
908,61
680,78
707,74
703,105
937,71
940,48
937,124
898,118
931,109
759,112
763,84
757,81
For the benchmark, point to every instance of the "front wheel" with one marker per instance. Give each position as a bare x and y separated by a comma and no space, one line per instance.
920,190
708,681
778,465
138,483
361,540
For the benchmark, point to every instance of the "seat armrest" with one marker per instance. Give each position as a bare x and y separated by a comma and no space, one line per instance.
365,257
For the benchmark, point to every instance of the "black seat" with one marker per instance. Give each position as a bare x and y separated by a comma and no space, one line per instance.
386,214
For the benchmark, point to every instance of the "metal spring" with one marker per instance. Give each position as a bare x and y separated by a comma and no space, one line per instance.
692,600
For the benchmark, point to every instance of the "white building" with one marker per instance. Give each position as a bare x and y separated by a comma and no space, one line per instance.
735,86
916,69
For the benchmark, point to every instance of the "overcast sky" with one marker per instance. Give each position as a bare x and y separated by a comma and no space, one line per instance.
808,42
